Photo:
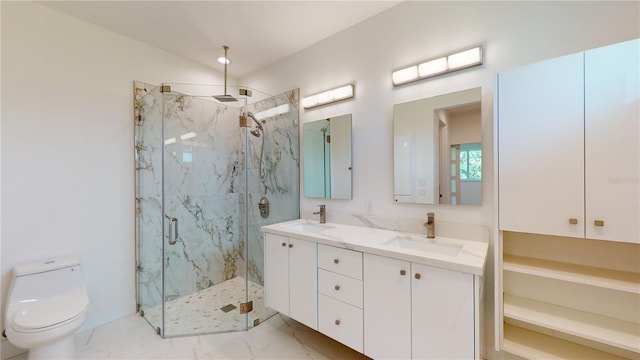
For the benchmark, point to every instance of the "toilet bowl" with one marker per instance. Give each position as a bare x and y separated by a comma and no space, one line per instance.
46,304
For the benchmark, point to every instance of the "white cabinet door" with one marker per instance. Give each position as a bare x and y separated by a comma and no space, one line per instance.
387,308
612,141
541,147
303,282
443,317
276,272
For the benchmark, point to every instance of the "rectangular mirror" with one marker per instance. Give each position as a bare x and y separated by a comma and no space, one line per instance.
327,158
437,155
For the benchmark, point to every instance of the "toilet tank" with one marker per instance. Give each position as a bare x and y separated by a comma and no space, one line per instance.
59,278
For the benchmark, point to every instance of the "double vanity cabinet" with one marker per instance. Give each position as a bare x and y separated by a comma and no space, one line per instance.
568,233
382,293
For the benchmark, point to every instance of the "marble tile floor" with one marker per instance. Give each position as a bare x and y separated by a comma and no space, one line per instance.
201,313
277,338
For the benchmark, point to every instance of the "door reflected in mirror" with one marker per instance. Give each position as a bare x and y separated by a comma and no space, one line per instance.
327,158
460,155
438,149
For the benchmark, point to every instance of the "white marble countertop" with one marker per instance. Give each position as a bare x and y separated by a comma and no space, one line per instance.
470,255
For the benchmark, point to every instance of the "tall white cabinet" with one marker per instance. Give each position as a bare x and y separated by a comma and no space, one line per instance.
568,250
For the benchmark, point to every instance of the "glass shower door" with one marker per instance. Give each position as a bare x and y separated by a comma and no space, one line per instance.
204,252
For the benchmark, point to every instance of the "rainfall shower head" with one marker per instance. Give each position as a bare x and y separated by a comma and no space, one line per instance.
226,97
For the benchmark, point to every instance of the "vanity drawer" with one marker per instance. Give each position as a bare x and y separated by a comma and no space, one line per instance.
340,287
341,322
340,261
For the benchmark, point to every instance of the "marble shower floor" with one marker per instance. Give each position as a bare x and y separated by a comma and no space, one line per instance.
201,312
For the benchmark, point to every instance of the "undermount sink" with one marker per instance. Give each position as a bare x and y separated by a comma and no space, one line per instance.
425,245
306,227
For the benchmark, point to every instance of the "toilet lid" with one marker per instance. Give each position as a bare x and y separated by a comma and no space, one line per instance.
44,314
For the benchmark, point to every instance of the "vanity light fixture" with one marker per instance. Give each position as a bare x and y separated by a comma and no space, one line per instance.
329,96
442,65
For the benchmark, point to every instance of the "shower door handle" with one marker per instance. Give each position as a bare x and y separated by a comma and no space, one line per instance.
173,230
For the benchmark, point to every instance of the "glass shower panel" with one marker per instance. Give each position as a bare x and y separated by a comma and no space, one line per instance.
272,177
148,160
204,250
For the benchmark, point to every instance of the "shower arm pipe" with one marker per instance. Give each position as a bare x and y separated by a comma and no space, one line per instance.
226,61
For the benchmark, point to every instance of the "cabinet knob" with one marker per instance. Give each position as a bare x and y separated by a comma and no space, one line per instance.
290,245
598,223
337,287
417,276
335,261
403,272
573,221
284,244
337,322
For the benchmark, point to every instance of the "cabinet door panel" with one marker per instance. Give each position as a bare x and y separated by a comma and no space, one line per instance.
443,314
612,141
387,308
276,273
303,282
541,147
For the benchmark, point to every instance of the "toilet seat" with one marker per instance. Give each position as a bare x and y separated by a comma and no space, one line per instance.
48,314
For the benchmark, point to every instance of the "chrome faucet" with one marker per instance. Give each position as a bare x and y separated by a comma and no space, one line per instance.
431,225
323,213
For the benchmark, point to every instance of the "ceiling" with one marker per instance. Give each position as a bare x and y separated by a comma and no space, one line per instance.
258,33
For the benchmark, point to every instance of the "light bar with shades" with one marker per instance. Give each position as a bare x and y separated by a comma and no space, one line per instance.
438,66
329,96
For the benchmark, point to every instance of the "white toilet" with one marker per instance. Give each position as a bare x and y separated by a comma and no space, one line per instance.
46,304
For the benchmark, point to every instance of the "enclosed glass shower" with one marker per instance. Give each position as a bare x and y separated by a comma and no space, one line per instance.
209,174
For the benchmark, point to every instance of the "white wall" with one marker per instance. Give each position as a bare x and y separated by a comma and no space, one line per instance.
512,33
67,146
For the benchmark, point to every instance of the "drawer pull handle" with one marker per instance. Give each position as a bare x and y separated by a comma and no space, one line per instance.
573,221
337,322
335,261
417,276
337,287
403,272
284,244
290,245
598,223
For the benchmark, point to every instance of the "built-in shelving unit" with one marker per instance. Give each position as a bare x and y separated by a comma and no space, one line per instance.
567,301
568,241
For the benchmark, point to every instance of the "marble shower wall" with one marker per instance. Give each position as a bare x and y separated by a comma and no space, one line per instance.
280,182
